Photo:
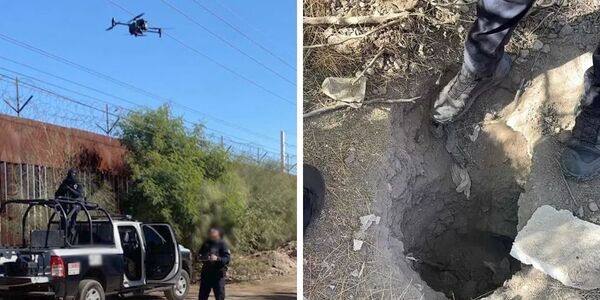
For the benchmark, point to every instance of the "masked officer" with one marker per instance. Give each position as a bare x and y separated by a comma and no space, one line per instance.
71,189
215,256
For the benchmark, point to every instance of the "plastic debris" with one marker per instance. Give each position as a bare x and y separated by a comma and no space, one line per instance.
367,221
357,273
348,90
476,129
357,244
461,178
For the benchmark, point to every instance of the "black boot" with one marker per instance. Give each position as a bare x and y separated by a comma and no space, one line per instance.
313,193
460,93
581,159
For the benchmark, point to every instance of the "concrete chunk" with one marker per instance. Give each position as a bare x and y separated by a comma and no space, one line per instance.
562,246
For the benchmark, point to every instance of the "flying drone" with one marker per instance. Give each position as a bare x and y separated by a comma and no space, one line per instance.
137,26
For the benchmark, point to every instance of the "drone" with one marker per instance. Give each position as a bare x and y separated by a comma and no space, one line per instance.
137,26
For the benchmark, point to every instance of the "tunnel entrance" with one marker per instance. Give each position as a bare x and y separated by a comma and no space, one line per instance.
462,248
464,263
458,245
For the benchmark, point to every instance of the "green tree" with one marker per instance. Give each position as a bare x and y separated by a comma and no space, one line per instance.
179,177
168,165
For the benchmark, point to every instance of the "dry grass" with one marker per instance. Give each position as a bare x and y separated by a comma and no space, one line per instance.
423,45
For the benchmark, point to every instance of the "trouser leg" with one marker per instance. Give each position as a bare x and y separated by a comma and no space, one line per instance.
205,288
495,23
219,289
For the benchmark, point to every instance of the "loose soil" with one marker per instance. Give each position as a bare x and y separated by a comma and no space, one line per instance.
277,288
432,242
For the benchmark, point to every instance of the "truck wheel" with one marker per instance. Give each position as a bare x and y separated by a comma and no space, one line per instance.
181,288
90,290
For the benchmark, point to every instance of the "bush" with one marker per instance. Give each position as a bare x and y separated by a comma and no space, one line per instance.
180,178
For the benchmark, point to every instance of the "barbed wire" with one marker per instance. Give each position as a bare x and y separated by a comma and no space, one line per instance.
91,115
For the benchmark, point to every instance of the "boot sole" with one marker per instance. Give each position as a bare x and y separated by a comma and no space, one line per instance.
580,178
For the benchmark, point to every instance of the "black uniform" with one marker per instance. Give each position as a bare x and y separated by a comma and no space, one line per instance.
212,275
72,189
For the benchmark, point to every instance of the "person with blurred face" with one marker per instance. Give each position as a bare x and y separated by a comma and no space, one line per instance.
215,256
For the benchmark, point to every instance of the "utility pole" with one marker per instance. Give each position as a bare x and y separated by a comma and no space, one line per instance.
18,109
282,150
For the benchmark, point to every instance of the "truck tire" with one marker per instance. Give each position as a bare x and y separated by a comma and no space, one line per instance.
90,290
180,290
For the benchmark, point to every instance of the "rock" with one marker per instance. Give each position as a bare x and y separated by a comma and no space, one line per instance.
566,30
546,49
382,90
561,246
552,35
593,206
357,244
370,71
537,45
524,53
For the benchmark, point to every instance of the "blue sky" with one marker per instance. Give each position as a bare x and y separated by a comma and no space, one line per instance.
75,30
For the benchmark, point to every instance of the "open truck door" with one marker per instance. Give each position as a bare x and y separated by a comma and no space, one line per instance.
163,260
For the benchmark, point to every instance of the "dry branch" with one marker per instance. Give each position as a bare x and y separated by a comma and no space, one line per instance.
339,105
380,53
335,20
360,36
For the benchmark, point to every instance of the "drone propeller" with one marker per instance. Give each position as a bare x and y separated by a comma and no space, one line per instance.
136,17
113,23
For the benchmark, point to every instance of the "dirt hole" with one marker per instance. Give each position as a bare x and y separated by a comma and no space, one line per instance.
462,260
458,246
459,253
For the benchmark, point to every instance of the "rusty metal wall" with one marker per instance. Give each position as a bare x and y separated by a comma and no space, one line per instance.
32,165
30,142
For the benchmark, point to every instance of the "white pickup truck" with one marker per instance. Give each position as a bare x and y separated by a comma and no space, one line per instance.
102,256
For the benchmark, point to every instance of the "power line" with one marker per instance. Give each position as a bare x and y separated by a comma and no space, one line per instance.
244,34
228,69
64,79
124,84
237,15
245,78
231,45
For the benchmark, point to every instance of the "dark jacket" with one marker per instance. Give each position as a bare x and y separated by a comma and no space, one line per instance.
218,248
70,188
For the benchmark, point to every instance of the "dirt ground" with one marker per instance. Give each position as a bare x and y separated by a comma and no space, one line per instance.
432,242
277,288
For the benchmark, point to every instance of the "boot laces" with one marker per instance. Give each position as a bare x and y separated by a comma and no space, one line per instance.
463,85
